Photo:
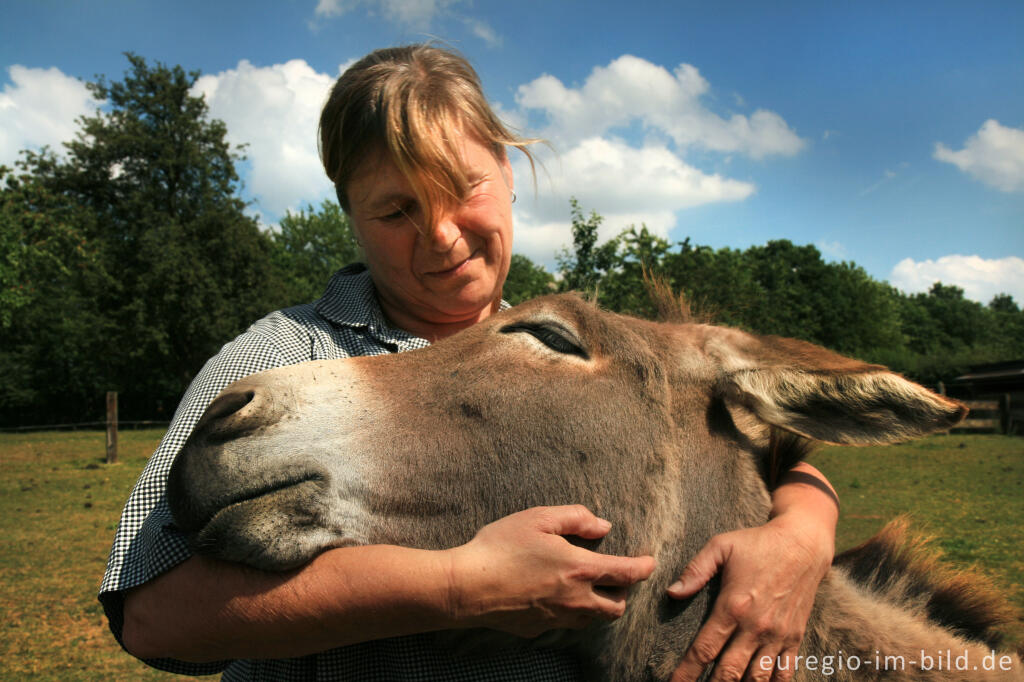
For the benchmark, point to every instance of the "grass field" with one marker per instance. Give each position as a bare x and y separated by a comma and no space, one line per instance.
59,506
967,491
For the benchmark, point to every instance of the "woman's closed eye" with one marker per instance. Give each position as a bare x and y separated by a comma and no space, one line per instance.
402,212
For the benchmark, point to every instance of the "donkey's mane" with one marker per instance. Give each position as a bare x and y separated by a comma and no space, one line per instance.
672,307
785,450
906,568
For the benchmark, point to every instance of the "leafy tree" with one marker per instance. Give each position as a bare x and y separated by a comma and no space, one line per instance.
1005,333
188,268
942,319
526,280
51,345
640,255
310,247
717,284
41,242
588,263
1003,303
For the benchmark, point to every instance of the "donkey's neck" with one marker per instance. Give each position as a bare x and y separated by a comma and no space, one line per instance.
855,635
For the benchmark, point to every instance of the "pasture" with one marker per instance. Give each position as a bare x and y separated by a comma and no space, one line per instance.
59,506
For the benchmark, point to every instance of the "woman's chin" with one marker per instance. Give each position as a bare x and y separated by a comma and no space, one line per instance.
467,304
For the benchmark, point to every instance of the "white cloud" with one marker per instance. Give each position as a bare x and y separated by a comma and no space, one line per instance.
834,250
632,183
631,90
980,278
624,184
887,176
483,31
610,176
39,107
993,155
410,15
273,110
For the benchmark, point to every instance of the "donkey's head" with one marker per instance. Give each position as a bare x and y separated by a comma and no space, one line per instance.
658,427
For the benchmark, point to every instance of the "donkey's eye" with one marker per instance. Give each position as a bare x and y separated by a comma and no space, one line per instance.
554,336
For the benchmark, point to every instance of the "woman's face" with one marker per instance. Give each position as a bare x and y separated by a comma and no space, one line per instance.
443,275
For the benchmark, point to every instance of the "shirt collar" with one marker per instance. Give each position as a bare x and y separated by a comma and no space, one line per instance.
350,300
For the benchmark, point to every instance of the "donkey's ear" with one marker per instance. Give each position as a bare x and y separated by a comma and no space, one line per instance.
816,393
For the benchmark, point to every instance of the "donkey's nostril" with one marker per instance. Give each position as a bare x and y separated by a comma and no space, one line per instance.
228,403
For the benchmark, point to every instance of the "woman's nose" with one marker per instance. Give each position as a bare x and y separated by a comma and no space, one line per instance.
443,233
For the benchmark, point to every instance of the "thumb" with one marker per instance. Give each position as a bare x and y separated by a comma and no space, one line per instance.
573,519
700,570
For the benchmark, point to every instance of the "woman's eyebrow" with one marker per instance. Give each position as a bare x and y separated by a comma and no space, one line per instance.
388,202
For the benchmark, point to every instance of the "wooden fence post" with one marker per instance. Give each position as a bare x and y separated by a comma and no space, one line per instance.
111,427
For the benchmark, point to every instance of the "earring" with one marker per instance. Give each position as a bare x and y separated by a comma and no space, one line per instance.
513,197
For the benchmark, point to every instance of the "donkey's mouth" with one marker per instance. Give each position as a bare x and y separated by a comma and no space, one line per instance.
195,519
278,509
271,488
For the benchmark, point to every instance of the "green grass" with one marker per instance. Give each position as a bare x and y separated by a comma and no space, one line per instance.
59,506
966,491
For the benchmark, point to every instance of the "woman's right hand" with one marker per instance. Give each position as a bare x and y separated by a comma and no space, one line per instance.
519,575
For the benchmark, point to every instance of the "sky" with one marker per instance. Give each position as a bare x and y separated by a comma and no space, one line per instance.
887,134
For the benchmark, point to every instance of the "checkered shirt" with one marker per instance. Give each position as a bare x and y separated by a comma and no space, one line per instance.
347,321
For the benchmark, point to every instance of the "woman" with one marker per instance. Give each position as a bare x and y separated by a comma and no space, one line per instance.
419,163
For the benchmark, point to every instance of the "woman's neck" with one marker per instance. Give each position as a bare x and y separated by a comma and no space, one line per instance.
429,329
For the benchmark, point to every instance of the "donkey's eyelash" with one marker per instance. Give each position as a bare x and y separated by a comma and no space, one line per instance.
554,336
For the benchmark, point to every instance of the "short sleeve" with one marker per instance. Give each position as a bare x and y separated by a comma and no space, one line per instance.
146,544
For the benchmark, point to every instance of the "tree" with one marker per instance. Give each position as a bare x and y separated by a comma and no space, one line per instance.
1003,303
310,246
42,241
717,284
188,269
639,255
50,331
588,263
526,280
942,320
1006,328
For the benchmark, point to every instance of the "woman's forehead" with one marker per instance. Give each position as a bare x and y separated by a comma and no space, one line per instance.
378,182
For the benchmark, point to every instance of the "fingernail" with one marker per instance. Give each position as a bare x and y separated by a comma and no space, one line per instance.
605,523
676,588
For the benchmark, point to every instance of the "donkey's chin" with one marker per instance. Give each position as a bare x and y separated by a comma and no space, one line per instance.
278,530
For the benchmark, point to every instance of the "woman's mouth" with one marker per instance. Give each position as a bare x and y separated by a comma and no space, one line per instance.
455,270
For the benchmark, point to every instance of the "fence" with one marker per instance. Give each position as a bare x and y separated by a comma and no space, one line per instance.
999,416
136,424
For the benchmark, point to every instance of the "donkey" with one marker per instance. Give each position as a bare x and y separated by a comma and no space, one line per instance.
663,429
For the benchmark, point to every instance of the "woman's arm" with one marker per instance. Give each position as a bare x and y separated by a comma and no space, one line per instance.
770,576
518,575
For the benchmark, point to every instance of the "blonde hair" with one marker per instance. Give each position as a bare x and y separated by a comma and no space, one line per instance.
413,103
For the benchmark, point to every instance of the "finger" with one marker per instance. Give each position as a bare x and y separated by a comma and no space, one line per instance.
700,570
572,519
609,604
608,570
762,665
705,647
734,661
785,665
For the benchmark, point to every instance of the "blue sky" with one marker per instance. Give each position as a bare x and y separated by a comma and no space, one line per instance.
889,134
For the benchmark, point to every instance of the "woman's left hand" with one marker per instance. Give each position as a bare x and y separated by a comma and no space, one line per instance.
770,575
